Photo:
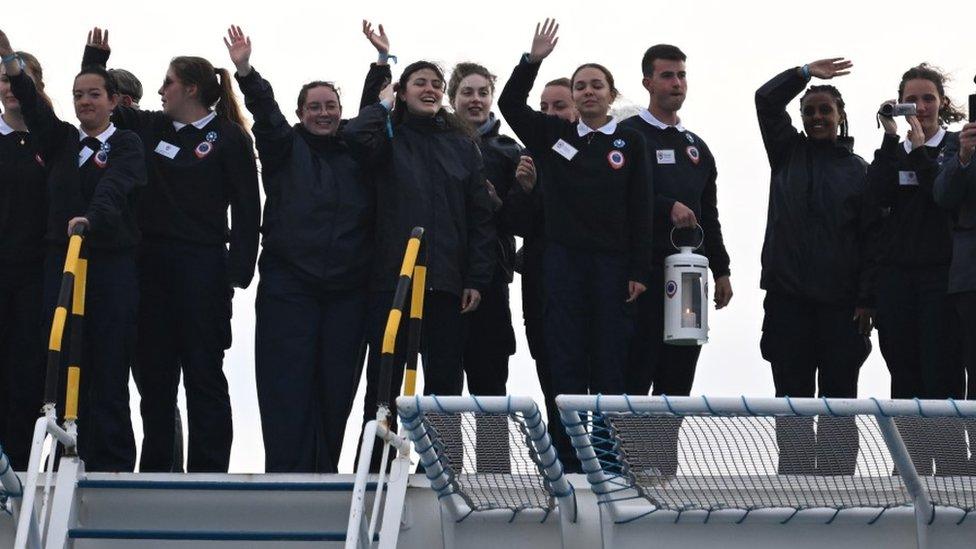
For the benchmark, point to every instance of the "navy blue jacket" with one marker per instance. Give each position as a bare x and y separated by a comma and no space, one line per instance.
23,198
955,190
319,210
818,224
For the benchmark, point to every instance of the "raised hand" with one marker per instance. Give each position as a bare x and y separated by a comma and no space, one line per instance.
98,39
379,41
5,48
826,69
544,40
967,143
239,48
888,122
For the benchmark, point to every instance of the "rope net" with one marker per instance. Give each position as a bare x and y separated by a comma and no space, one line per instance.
712,462
489,460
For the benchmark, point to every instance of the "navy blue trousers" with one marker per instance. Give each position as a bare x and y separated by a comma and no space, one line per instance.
815,350
184,327
588,326
309,346
105,439
21,357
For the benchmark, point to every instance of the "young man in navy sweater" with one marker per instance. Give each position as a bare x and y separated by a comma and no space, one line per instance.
684,176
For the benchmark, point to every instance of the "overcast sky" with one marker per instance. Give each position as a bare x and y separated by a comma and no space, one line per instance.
732,48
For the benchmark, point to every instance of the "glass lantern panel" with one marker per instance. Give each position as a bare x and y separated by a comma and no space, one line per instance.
691,300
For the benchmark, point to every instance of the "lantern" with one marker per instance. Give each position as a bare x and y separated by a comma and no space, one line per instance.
686,296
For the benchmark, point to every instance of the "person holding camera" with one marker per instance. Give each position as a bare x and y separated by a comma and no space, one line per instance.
915,319
955,190
815,268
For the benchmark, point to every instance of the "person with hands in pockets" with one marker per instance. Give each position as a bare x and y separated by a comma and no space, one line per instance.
596,203
201,163
319,214
93,174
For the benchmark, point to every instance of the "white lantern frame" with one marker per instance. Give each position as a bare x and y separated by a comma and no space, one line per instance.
686,295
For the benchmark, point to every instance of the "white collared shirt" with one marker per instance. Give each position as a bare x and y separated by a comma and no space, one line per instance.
646,116
199,124
934,142
608,128
103,137
5,128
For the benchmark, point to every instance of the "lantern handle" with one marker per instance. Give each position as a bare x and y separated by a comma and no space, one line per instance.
700,242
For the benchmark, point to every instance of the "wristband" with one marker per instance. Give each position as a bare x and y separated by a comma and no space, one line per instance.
805,69
384,57
11,57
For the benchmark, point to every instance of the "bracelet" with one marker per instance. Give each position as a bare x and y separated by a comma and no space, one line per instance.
805,69
11,57
384,57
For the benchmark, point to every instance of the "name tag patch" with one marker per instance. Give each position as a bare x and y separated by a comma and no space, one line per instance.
564,149
167,149
665,156
907,178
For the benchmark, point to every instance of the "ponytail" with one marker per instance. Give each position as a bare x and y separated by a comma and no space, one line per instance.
214,87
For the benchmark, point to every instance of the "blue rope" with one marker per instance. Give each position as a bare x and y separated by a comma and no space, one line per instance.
837,512
881,411
792,408
829,410
919,404
678,517
875,519
508,405
708,515
630,406
789,518
966,514
439,405
478,404
932,518
598,397
744,516
745,403
667,402
708,406
956,406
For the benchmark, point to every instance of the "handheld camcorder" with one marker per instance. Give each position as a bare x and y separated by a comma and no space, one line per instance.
898,109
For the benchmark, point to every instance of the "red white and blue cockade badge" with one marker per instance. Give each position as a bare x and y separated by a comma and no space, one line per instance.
101,157
205,147
616,159
693,154
671,288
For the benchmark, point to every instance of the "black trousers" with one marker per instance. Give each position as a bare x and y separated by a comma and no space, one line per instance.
441,347
105,439
919,336
184,327
588,326
965,303
22,357
814,349
308,357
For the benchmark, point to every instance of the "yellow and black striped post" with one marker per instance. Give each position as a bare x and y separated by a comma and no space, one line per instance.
412,273
71,298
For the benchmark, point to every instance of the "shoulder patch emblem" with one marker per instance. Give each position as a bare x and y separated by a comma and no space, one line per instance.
101,158
693,154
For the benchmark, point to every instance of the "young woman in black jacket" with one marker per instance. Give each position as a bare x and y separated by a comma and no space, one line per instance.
815,263
319,215
917,326
201,162
428,172
92,178
23,219
596,200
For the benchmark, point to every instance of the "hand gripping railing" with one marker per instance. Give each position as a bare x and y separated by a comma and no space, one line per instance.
597,426
71,302
412,278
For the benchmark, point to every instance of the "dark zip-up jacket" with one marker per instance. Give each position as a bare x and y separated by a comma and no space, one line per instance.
430,175
319,211
23,199
915,231
818,222
955,190
501,155
689,179
188,195
102,189
598,201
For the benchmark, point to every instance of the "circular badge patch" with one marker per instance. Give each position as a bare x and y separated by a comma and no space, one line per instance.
670,288
616,159
203,149
101,159
211,136
693,154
